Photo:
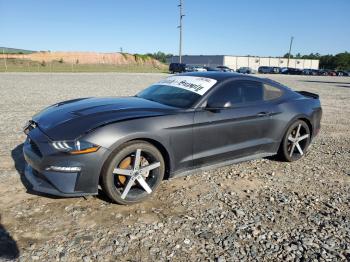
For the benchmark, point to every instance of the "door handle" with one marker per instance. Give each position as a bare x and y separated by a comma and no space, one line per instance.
261,114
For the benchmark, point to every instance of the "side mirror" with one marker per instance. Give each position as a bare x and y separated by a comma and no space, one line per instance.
211,104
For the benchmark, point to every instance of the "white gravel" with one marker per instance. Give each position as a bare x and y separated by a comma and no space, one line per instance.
260,210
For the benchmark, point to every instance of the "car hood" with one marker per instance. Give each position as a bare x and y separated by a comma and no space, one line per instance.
70,119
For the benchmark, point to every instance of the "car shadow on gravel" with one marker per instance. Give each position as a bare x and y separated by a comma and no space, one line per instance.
275,158
19,162
8,246
340,84
18,159
344,86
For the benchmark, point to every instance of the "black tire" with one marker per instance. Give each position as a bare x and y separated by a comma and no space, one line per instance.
287,145
114,188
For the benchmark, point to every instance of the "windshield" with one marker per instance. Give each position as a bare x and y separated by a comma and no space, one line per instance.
178,91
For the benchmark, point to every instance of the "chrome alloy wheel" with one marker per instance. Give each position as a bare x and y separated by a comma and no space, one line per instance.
297,141
132,177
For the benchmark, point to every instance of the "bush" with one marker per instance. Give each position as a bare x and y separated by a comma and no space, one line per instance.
139,57
339,61
160,56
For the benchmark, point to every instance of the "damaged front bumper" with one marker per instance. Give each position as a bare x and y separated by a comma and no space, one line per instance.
56,173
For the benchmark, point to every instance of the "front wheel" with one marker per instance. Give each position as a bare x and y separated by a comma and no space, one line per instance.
295,142
133,172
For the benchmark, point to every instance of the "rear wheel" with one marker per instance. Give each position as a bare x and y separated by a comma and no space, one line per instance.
133,172
295,142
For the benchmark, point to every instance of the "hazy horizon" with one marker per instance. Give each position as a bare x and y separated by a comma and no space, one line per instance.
210,28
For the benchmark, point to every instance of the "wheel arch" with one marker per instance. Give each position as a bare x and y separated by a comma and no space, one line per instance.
304,118
308,122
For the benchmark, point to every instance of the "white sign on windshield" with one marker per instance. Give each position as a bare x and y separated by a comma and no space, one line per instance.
195,84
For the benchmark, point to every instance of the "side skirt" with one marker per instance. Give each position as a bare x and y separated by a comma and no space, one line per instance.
219,164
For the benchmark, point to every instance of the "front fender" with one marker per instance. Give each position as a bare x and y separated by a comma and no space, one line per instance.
173,133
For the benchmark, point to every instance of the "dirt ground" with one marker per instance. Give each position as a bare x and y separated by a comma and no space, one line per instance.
259,210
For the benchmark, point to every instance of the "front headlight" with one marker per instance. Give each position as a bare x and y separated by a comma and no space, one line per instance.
75,147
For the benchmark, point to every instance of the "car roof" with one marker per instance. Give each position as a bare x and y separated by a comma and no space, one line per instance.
222,76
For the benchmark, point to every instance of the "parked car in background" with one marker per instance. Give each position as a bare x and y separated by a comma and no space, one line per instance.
177,68
195,68
327,72
246,70
310,72
208,68
322,72
265,70
269,70
199,68
291,71
225,69
331,73
314,72
343,73
276,70
189,68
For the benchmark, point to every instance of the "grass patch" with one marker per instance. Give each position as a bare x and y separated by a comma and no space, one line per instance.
141,58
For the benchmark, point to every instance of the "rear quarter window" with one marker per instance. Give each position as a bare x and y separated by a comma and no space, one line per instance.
271,92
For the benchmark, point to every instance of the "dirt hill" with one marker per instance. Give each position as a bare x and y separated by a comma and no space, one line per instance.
87,58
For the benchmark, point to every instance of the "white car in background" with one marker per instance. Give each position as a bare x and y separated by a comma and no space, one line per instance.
198,68
246,70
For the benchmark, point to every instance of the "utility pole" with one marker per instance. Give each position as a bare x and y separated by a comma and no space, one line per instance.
180,27
290,49
3,53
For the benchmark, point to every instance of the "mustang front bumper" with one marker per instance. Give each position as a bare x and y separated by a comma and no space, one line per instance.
40,156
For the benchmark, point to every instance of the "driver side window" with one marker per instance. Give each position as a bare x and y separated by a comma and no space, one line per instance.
236,93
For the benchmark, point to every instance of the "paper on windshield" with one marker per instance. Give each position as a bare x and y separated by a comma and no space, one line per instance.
195,84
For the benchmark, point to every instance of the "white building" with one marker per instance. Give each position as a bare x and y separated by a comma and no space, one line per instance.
253,62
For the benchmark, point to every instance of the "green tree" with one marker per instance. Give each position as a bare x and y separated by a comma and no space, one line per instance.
339,61
342,61
160,56
287,55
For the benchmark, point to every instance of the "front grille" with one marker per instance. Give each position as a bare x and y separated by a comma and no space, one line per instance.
35,148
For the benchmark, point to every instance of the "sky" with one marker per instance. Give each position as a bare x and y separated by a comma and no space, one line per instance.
210,27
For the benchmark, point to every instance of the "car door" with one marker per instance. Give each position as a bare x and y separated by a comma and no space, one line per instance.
232,124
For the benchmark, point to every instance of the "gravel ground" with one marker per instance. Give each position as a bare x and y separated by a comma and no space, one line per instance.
261,210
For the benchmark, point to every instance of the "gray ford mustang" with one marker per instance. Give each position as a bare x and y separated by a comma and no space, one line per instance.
191,121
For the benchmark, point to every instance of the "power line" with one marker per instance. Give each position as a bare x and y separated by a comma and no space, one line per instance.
290,49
